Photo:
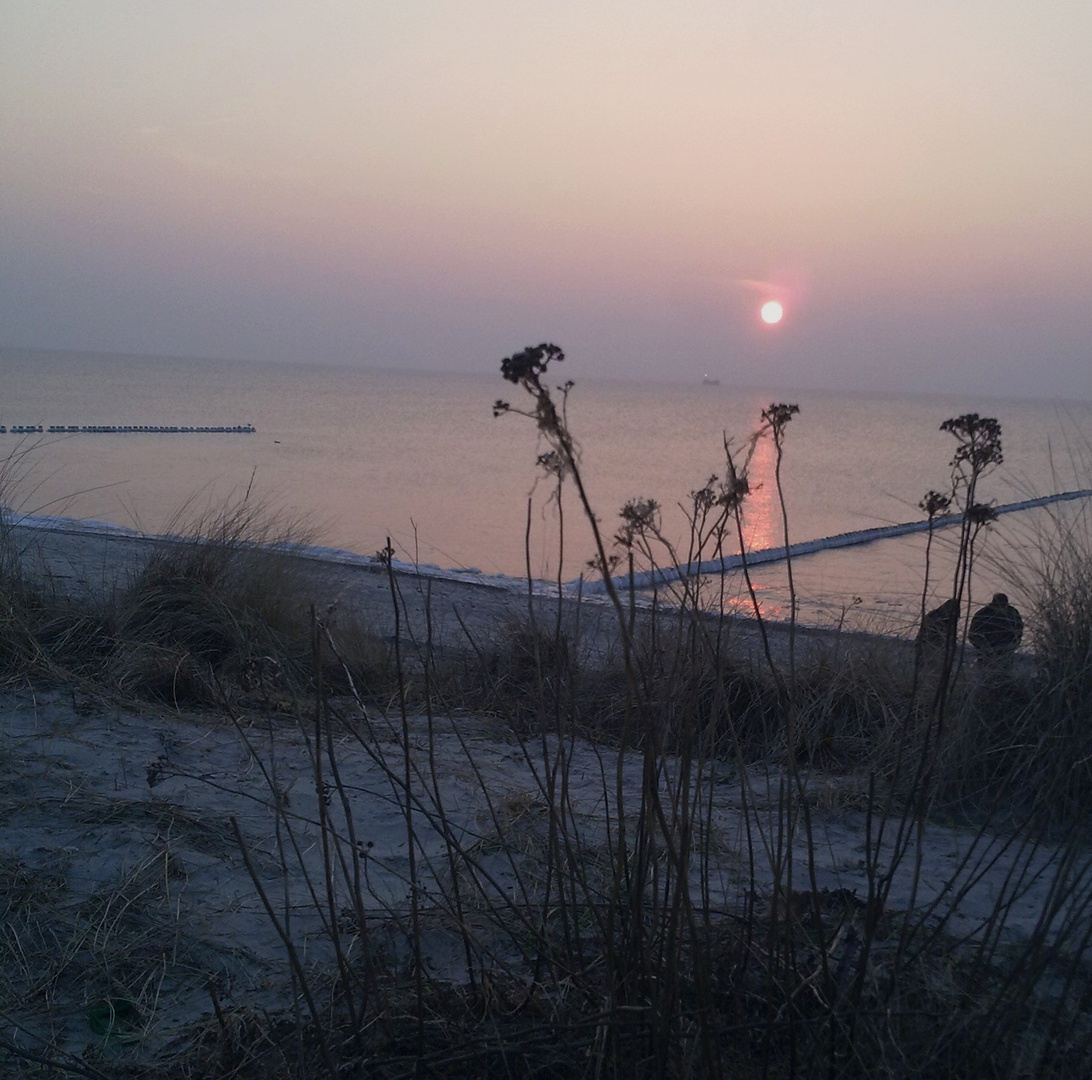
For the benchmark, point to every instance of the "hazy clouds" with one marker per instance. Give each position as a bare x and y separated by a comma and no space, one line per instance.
436,184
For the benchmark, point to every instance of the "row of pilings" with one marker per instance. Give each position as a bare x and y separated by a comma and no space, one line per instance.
126,429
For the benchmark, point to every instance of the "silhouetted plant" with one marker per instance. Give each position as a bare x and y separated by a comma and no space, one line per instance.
978,453
933,505
978,450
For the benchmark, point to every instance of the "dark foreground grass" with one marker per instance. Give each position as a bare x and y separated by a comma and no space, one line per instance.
220,609
603,949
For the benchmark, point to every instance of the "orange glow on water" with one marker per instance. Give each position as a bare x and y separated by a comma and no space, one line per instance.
761,514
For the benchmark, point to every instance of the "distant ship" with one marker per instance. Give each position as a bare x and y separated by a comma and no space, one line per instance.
708,380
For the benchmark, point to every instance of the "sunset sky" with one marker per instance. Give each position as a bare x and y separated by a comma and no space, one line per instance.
436,184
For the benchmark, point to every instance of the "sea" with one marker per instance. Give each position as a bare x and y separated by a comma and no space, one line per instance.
357,459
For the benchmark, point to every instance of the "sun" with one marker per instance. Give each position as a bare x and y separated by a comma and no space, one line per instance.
771,312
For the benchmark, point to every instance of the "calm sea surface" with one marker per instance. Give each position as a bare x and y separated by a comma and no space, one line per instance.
363,455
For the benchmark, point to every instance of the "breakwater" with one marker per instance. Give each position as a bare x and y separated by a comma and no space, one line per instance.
127,429
667,574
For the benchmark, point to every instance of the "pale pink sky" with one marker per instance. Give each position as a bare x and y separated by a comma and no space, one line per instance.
436,184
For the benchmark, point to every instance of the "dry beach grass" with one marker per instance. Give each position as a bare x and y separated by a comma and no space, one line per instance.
263,816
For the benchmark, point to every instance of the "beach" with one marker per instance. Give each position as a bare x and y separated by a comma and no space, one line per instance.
137,807
176,866
436,607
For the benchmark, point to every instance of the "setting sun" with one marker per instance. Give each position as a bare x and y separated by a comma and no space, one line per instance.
771,312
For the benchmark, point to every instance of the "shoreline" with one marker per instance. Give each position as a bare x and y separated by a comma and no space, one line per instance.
452,608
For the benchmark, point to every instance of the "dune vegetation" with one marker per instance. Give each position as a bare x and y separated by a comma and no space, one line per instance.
531,854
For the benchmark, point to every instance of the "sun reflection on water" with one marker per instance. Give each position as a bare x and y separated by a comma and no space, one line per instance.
761,512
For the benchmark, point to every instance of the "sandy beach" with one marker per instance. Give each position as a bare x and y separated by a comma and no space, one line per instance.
454,611
133,808
158,839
